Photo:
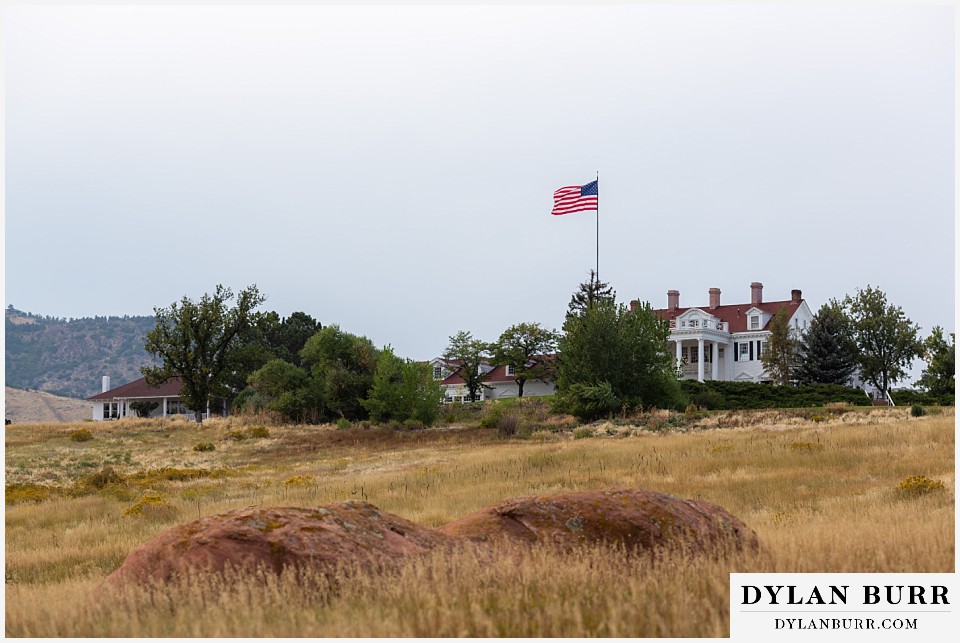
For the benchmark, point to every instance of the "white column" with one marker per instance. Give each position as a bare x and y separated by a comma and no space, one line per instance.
728,359
715,355
700,359
164,407
679,354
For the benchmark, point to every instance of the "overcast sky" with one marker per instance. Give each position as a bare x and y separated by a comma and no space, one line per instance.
391,169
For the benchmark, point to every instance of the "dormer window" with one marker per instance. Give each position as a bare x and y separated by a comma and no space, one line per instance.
694,323
511,371
438,372
754,322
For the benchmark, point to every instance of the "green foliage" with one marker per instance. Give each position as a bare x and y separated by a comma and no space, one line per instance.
939,376
343,366
403,390
754,395
258,432
611,358
887,340
467,355
143,407
589,293
81,435
780,354
906,397
286,389
202,342
344,423
917,410
285,338
529,348
828,354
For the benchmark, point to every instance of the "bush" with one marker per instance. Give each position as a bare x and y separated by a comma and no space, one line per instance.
81,435
919,485
590,402
300,481
752,395
508,425
258,432
151,506
204,446
236,436
582,432
707,399
106,476
917,410
344,423
909,396
412,424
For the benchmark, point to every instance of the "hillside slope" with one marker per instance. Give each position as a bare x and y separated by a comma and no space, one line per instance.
35,406
69,358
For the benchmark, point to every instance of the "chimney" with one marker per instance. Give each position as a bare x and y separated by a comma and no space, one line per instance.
756,293
796,296
673,299
633,305
714,297
105,383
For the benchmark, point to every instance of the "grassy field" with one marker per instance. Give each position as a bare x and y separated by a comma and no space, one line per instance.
821,491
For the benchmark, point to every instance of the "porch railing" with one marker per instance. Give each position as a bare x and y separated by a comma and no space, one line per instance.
706,324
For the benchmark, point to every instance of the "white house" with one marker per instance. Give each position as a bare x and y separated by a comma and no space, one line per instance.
113,404
500,382
725,342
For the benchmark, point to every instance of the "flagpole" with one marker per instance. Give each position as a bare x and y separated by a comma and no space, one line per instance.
598,226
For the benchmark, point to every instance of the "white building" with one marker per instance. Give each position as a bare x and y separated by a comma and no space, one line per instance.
725,342
114,403
500,383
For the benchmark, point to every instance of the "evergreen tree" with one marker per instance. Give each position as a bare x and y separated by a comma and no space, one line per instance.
828,354
589,293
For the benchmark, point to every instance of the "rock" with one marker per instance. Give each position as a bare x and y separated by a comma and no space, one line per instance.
317,537
635,518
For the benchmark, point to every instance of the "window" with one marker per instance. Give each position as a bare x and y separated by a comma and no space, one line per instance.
754,322
761,348
438,372
745,352
693,323
176,407
720,353
511,371
110,410
694,355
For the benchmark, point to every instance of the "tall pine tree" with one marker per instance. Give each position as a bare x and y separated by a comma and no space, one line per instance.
828,352
590,293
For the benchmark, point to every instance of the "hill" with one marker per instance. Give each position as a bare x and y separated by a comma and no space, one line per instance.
36,406
69,357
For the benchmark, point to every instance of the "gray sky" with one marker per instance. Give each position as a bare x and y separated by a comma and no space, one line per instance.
391,169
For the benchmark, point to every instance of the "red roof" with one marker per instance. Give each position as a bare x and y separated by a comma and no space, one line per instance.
735,314
140,388
498,374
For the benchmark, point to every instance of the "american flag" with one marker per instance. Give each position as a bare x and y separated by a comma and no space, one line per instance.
575,198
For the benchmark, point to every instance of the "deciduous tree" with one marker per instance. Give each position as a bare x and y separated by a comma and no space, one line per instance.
939,377
529,349
201,342
467,355
343,365
887,340
780,354
403,390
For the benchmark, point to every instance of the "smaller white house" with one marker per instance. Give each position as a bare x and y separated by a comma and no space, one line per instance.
113,404
500,383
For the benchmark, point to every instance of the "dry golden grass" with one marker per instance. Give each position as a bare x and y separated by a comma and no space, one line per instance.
833,508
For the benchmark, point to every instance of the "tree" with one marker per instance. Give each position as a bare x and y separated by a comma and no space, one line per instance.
529,349
589,293
610,357
343,365
780,354
468,354
201,343
886,339
828,354
939,376
403,390
288,390
285,337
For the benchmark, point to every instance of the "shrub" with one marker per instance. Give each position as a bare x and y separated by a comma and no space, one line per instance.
81,435
300,481
919,485
753,395
707,399
18,492
204,446
151,506
258,432
582,432
917,410
412,424
143,408
344,423
236,436
590,402
106,476
837,408
508,425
